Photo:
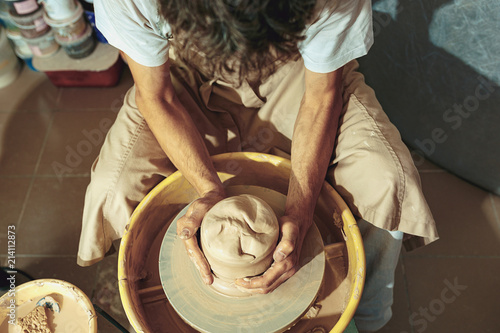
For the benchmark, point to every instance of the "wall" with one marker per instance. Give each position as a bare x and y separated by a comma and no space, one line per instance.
435,67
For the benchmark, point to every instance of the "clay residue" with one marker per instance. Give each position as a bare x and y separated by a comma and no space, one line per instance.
238,236
35,322
71,318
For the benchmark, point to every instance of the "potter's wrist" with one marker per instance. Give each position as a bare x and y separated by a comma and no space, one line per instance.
302,209
214,192
209,185
303,218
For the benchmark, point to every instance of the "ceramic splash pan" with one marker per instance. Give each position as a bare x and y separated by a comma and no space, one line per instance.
209,311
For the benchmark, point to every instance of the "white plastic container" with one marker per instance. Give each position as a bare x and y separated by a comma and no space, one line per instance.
5,17
81,47
70,28
9,64
20,44
22,7
31,25
43,46
60,9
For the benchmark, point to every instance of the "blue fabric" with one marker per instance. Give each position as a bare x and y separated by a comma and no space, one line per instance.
382,249
351,328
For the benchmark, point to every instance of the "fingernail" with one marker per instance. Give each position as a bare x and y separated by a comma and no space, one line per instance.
242,282
185,233
245,281
279,256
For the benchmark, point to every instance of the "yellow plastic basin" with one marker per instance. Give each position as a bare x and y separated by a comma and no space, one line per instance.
144,301
76,314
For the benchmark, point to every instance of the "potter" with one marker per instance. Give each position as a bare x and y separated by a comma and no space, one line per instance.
209,76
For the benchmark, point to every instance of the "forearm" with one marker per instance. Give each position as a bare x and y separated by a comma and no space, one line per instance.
173,127
179,138
312,146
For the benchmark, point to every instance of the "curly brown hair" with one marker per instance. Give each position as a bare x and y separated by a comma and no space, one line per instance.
237,39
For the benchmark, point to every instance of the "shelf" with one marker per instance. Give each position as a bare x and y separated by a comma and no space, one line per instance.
103,57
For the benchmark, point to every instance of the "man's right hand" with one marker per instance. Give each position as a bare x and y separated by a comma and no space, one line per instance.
188,225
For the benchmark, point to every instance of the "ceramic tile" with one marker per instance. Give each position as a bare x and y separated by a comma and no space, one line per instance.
105,326
12,195
42,99
51,223
21,141
106,294
62,268
96,98
464,218
32,91
20,274
4,120
400,308
74,141
453,294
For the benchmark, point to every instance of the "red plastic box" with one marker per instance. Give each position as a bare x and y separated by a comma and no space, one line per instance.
100,69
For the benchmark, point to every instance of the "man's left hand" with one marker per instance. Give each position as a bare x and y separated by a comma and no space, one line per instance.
286,258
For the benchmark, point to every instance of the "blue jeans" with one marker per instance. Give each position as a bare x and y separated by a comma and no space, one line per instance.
382,250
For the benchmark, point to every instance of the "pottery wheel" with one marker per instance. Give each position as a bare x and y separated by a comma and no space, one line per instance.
208,311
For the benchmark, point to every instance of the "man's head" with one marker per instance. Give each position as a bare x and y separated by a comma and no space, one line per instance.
237,37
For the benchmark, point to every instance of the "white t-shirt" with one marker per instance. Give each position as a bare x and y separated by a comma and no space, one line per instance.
337,37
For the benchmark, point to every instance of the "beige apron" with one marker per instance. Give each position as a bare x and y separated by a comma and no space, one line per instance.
372,169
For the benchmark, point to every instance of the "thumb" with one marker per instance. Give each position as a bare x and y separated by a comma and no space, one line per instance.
188,224
289,235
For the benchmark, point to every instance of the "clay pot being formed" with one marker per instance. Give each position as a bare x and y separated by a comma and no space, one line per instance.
238,237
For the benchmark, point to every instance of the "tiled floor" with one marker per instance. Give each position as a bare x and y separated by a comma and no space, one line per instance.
50,136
